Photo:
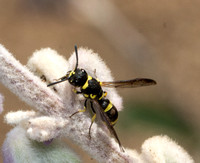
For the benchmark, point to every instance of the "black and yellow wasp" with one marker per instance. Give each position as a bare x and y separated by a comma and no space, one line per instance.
91,89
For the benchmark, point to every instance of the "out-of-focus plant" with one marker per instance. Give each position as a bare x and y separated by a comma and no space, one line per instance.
1,103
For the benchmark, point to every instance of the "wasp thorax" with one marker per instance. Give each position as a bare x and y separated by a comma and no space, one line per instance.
77,77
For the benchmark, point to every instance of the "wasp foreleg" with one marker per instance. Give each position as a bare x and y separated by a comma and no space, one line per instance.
75,91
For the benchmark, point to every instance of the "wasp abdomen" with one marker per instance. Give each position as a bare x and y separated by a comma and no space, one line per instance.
109,109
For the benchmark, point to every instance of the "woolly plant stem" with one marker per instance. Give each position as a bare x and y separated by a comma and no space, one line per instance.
30,89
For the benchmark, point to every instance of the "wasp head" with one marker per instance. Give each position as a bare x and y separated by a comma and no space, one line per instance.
77,77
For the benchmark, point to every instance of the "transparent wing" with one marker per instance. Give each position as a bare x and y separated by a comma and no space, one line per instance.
105,119
133,83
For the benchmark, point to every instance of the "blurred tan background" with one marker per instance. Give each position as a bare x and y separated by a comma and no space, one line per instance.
154,39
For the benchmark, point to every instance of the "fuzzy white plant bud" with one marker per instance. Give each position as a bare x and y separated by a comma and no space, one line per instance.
49,66
14,118
49,63
45,128
18,148
161,149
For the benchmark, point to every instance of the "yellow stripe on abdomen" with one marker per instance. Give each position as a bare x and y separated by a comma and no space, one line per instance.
114,122
108,107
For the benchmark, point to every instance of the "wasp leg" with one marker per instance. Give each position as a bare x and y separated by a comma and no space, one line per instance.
75,91
93,119
104,93
83,110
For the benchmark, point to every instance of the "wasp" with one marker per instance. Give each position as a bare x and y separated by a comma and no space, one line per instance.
91,89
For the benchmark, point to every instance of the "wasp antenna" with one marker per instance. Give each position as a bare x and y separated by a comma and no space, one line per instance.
76,52
59,81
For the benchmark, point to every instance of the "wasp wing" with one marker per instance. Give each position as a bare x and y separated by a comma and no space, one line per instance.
133,83
105,119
